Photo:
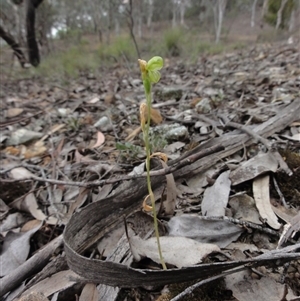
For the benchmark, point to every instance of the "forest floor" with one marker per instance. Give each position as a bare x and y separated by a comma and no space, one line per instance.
72,175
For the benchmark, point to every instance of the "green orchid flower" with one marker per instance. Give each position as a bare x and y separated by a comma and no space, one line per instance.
150,71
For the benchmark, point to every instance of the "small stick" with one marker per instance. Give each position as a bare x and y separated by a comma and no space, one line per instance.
160,172
282,199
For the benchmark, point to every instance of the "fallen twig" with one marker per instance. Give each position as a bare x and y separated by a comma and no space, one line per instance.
161,172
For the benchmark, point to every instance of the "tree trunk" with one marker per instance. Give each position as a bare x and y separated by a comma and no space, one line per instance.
33,49
9,39
263,12
279,13
174,11
221,5
150,13
292,20
96,19
182,12
109,22
139,14
253,13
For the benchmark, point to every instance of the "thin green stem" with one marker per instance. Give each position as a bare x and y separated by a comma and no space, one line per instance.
148,154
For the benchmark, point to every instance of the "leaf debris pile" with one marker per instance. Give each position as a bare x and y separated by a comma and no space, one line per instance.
64,148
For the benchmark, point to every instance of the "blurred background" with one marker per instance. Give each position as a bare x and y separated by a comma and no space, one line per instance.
63,38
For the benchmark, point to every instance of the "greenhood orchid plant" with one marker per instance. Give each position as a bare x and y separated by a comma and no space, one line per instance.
150,75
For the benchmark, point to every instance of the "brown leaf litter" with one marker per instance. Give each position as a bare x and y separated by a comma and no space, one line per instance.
230,125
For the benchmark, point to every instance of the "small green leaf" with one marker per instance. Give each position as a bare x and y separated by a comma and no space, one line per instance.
156,63
154,76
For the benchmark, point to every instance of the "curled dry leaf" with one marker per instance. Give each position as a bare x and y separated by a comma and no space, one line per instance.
100,140
178,251
262,200
262,163
155,115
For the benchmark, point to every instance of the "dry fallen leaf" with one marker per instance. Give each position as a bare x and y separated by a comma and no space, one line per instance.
34,297
290,229
57,282
243,208
245,288
35,150
12,150
89,293
76,198
15,250
21,173
12,221
94,99
261,195
262,163
100,139
13,112
23,135
286,214
170,202
178,251
219,232
133,134
215,198
29,204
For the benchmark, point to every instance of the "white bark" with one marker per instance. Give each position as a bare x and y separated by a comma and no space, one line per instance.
182,8
292,20
279,13
253,13
174,11
150,13
219,10
215,10
264,8
139,12
139,27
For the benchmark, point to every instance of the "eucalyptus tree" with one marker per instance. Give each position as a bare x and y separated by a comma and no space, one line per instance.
12,29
